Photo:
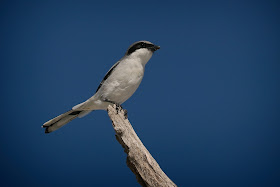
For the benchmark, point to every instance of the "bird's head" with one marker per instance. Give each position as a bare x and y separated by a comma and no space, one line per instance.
142,49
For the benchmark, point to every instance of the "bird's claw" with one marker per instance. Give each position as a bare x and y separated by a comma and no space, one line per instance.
118,107
125,113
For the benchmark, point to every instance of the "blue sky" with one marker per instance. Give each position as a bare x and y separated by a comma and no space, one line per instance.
207,109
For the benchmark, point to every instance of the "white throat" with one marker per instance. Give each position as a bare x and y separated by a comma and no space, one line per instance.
143,55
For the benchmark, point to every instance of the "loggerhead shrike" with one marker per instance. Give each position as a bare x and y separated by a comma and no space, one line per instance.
120,82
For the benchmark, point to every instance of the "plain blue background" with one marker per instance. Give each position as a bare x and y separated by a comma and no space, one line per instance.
208,108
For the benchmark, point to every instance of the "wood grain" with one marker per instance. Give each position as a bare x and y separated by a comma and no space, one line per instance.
139,160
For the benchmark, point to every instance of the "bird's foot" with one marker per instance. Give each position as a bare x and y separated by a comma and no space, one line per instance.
118,107
125,113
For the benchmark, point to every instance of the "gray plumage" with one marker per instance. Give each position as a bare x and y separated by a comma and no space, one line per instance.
118,85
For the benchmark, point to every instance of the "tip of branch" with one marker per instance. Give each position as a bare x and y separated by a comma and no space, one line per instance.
114,109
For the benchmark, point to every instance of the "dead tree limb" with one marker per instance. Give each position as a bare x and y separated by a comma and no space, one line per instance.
139,160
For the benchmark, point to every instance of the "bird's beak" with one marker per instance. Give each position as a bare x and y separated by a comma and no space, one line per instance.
155,47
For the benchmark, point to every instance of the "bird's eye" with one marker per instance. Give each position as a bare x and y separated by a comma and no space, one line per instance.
142,44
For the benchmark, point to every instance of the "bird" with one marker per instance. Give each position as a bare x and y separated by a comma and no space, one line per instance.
118,85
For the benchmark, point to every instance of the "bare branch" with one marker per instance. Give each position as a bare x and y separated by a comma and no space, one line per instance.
139,160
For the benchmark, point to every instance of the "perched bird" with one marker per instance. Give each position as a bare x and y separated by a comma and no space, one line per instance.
118,85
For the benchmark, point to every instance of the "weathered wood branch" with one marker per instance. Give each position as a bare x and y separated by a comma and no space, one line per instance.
139,160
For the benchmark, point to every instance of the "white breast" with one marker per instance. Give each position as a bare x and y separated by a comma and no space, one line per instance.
124,81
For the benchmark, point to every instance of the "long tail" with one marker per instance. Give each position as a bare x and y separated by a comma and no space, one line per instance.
63,119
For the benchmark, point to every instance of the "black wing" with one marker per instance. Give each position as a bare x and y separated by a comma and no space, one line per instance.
107,75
